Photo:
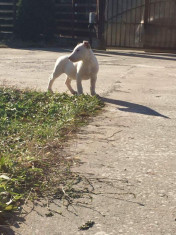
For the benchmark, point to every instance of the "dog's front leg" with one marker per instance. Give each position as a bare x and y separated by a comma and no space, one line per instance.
79,84
92,84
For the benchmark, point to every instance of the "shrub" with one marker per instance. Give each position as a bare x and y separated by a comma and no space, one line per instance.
35,20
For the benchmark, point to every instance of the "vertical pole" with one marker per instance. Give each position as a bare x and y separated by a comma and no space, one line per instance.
73,17
135,23
14,15
101,6
146,13
116,10
146,16
121,21
112,24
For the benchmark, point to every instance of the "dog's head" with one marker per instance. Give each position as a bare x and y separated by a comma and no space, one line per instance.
80,52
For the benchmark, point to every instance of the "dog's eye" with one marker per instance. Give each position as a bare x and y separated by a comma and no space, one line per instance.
77,50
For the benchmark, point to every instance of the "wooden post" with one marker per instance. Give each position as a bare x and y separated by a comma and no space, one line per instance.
101,5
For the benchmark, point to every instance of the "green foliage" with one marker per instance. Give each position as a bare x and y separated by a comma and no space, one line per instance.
35,19
32,127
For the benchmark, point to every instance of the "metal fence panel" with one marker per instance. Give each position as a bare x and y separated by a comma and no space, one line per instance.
160,30
124,23
140,23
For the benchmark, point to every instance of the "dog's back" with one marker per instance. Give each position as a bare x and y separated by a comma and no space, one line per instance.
64,65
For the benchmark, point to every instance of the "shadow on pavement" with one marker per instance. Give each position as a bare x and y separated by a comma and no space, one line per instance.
133,108
9,221
152,54
147,55
6,231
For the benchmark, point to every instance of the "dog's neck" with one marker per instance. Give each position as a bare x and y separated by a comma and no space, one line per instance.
89,56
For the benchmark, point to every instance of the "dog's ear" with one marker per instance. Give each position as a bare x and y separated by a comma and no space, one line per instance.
86,44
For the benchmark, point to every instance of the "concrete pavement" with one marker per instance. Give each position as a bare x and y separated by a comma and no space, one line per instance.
128,153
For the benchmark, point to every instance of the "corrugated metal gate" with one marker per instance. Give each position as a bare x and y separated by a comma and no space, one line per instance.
124,23
140,23
160,24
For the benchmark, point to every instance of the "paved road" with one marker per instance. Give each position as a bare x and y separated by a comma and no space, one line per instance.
128,153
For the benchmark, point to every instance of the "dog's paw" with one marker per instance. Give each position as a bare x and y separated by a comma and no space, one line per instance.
96,95
74,93
50,91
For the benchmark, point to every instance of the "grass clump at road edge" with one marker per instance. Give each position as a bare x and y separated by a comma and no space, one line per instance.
33,127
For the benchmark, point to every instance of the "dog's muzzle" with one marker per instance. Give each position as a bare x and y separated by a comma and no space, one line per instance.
72,59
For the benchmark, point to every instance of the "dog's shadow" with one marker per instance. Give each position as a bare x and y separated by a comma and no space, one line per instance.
133,108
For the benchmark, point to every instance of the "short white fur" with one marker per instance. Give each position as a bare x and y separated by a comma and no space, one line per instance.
80,65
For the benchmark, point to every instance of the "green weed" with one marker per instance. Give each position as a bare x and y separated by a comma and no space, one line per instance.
33,127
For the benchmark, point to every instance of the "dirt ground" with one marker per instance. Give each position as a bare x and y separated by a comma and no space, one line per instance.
127,154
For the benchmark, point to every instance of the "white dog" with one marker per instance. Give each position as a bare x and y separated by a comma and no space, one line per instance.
80,65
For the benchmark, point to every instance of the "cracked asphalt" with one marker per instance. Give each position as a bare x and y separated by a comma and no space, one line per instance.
127,153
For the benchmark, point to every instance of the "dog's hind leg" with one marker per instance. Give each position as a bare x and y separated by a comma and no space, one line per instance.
68,84
52,78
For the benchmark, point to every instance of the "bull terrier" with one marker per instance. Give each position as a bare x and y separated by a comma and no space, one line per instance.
80,65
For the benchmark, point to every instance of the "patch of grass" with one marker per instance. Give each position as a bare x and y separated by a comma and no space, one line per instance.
33,127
